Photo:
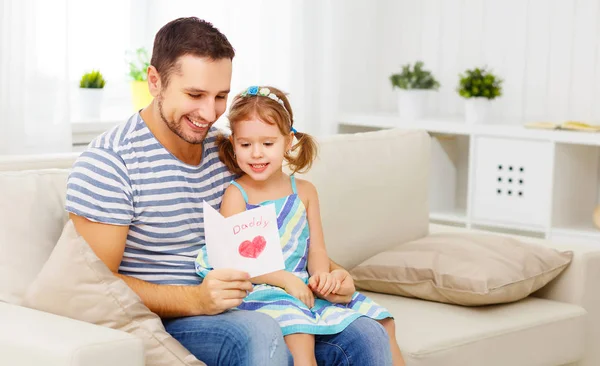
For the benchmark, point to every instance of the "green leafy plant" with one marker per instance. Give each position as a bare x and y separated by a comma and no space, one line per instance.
92,80
414,78
138,65
479,82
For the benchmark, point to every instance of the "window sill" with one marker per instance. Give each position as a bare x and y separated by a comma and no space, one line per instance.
85,129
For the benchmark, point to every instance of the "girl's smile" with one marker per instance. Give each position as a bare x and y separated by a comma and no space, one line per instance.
259,168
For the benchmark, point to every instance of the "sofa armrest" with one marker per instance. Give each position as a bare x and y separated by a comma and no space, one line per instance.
579,284
31,337
36,162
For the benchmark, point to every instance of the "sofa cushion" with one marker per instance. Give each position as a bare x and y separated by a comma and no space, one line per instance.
32,216
76,284
532,331
373,191
465,269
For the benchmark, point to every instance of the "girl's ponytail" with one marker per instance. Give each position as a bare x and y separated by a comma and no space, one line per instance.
303,153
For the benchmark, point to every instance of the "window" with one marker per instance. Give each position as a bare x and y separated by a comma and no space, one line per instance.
100,33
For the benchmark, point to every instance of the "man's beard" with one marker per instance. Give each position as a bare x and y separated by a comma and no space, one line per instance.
177,128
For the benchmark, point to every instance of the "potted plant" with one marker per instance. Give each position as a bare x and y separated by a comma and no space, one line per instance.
138,72
414,85
479,87
91,87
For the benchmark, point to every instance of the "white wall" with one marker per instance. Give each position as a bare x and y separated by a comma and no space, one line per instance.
548,52
334,54
358,44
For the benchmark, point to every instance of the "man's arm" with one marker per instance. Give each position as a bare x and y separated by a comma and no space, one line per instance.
220,290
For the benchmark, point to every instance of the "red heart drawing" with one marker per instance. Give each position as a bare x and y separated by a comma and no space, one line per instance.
252,249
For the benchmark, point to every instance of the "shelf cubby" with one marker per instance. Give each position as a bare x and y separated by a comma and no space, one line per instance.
575,192
449,178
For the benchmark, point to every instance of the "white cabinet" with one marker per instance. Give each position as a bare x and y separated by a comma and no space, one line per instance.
511,181
507,178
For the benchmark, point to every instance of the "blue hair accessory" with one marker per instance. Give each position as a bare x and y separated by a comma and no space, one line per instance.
294,130
252,90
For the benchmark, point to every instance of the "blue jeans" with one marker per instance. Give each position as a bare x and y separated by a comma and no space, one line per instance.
247,338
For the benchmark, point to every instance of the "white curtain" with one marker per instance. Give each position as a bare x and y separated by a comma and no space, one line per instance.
294,45
316,61
34,109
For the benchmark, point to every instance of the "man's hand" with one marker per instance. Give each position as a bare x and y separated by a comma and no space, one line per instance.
344,294
324,283
297,288
222,289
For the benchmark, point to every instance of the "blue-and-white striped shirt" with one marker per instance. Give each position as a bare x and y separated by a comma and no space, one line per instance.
127,177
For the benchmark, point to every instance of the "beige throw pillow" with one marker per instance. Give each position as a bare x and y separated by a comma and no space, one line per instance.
464,269
75,283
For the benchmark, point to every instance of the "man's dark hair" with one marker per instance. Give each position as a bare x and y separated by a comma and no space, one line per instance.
187,36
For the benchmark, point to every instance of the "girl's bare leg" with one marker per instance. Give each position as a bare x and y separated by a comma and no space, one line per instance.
390,327
302,347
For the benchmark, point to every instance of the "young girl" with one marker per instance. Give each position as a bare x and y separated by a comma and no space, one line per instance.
262,139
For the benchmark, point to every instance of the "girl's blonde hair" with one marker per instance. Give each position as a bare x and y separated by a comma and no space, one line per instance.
245,107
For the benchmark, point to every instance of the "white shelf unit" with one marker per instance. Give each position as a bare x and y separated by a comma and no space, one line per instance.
507,178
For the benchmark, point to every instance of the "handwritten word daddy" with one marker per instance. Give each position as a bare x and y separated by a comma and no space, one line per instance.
254,223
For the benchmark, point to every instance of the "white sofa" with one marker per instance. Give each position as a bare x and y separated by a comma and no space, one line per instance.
373,190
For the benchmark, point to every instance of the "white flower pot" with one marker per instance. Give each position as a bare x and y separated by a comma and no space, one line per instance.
90,103
412,104
477,110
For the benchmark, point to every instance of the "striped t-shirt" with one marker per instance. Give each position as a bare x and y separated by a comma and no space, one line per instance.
127,177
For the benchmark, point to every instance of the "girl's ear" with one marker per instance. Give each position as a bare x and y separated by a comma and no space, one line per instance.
232,144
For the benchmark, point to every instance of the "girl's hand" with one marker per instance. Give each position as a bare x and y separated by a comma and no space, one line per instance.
347,288
324,283
297,288
344,294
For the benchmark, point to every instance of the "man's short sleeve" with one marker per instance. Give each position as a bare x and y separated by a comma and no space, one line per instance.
99,188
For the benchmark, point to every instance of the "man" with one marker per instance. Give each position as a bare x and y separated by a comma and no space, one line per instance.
136,194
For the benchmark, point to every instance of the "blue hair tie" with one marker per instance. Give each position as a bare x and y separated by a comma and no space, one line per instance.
294,130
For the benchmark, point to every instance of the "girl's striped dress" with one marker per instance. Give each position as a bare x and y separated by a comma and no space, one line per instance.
291,314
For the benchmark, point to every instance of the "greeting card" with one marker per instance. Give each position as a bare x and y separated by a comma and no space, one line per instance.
248,241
